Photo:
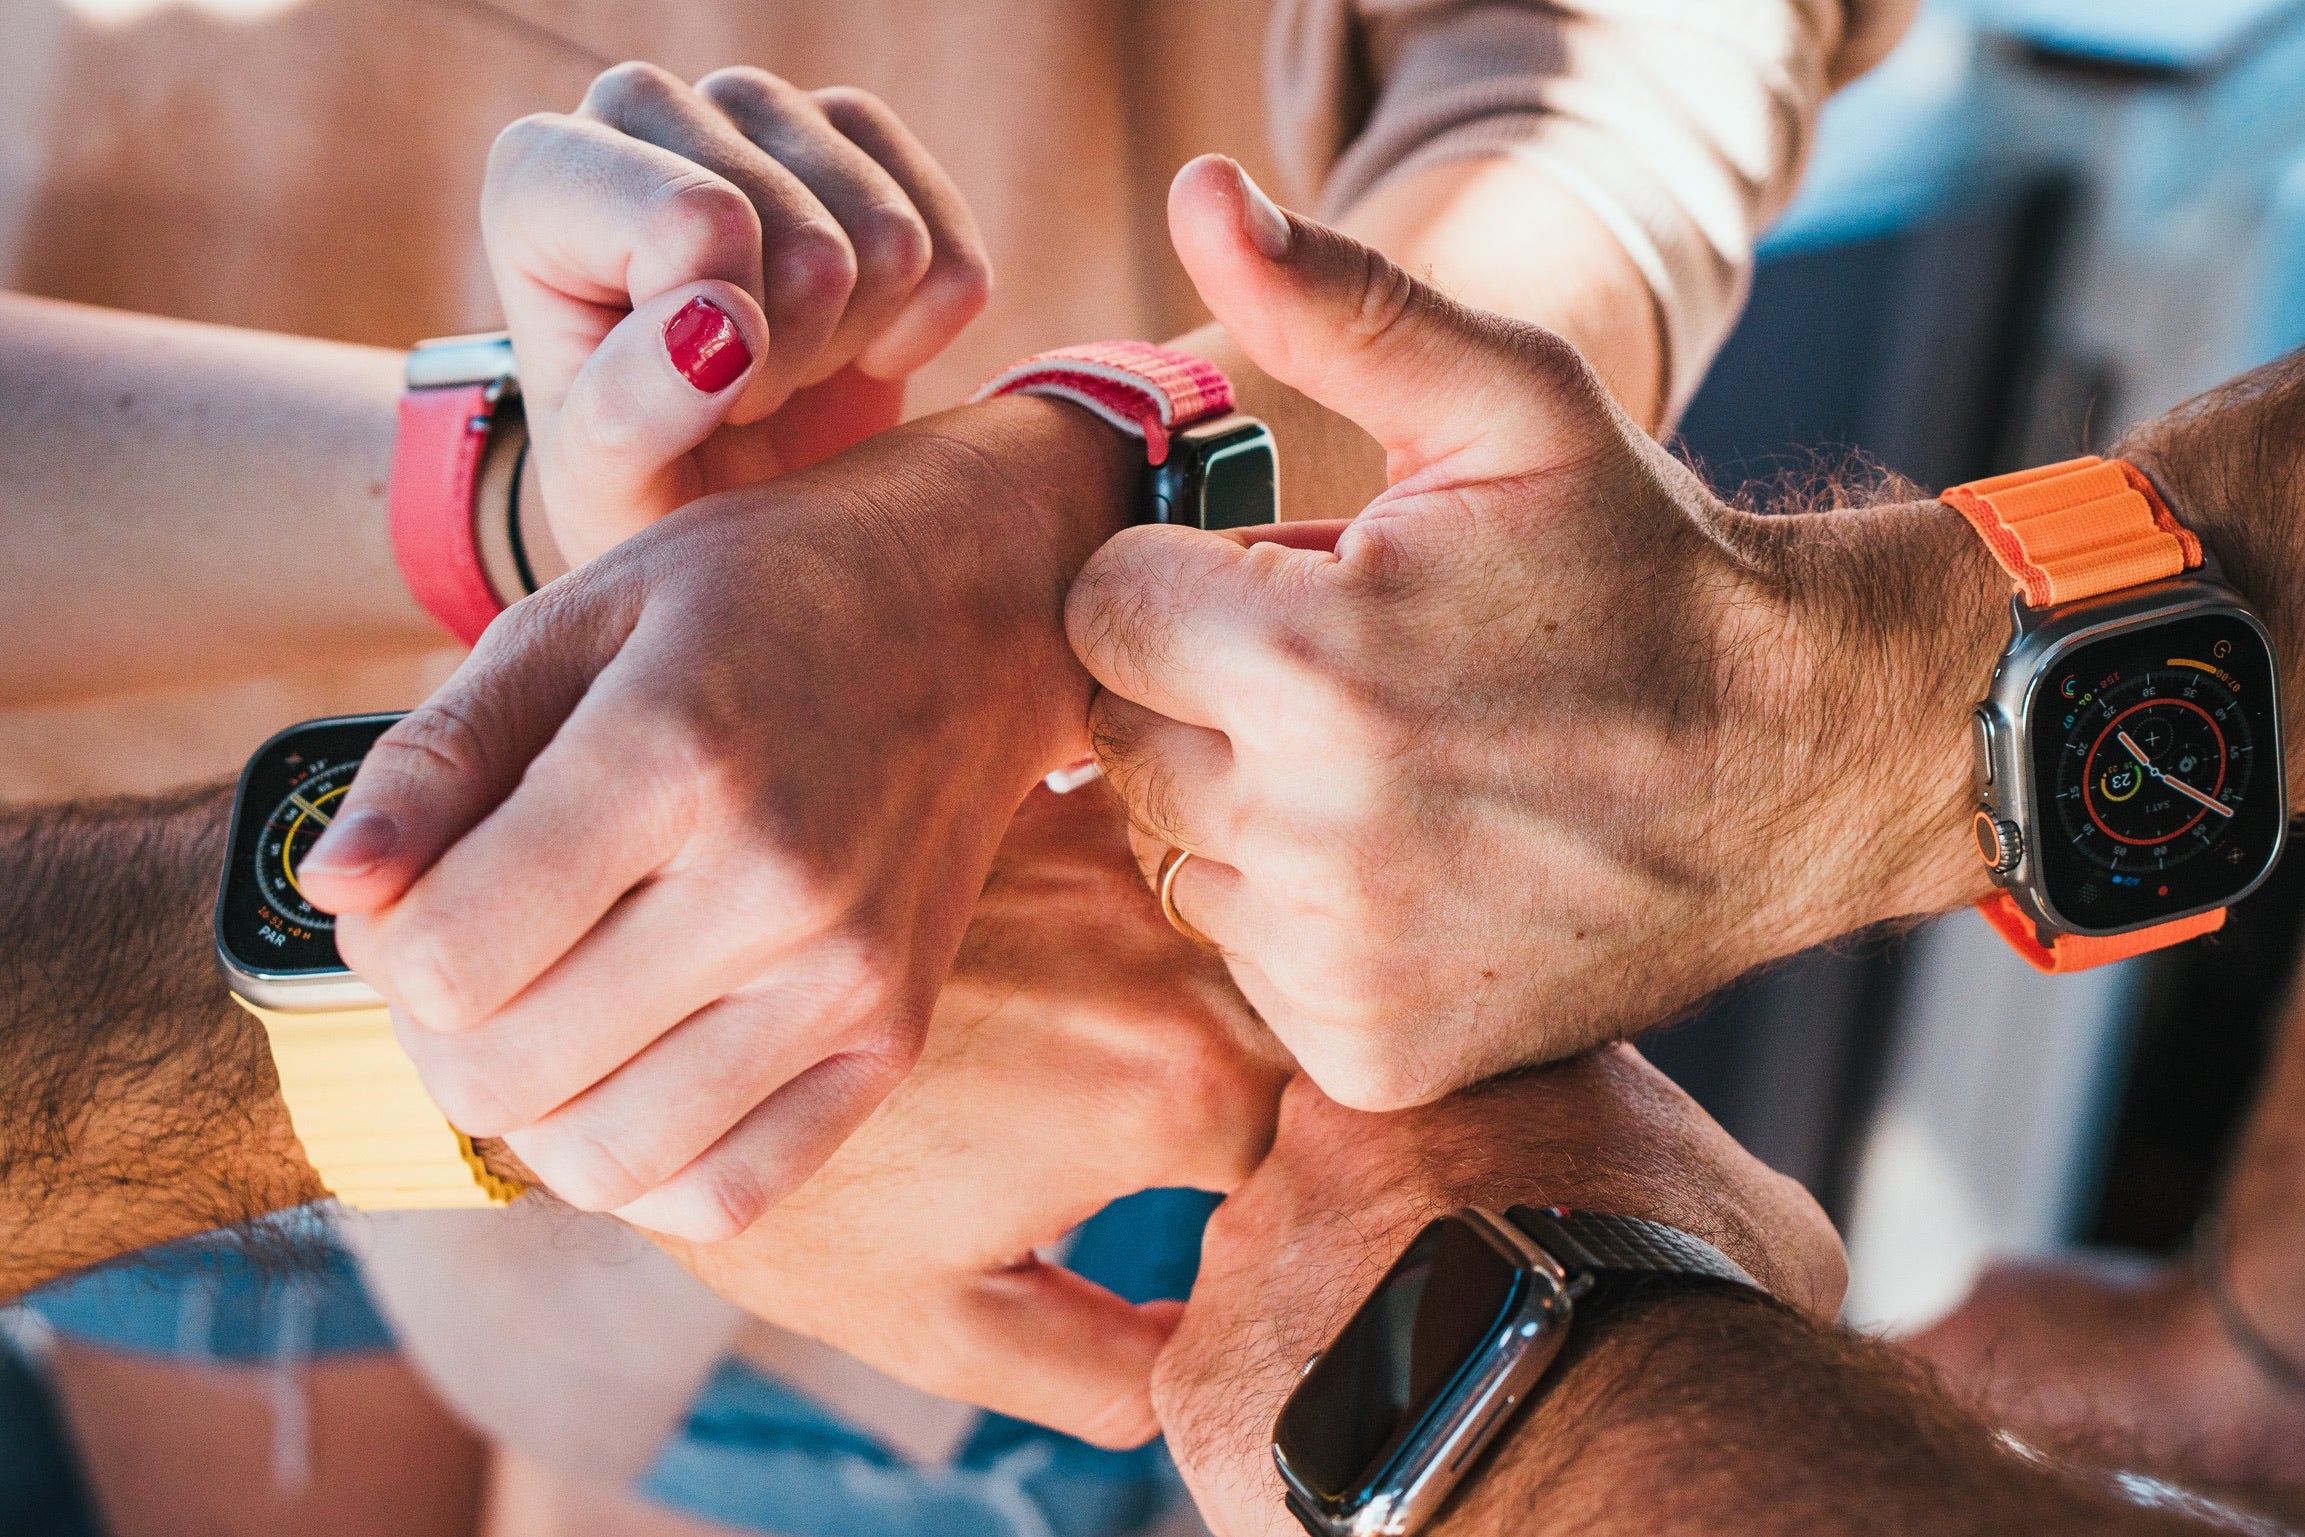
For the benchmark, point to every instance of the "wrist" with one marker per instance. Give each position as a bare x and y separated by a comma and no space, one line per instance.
1854,659
1036,486
2228,466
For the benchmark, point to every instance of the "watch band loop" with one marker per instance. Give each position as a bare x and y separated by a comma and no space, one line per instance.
365,1122
2077,529
1143,390
2079,952
1617,1251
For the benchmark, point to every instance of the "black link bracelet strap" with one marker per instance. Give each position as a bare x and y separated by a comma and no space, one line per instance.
1619,1252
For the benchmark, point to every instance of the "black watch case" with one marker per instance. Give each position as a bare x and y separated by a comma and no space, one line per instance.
277,950
1223,473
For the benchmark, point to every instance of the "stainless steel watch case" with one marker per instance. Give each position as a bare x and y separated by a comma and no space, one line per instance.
1425,1469
485,357
2002,770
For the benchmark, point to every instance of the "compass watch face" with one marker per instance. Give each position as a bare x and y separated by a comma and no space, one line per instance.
288,796
2157,776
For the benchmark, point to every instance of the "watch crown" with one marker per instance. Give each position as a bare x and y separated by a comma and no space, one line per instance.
2000,844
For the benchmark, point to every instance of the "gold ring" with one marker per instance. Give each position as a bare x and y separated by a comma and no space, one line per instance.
1166,884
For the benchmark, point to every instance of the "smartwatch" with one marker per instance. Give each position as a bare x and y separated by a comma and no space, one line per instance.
354,1099
2128,762
1207,465
1457,1336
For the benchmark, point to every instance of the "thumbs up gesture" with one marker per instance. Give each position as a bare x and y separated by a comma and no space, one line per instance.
1547,743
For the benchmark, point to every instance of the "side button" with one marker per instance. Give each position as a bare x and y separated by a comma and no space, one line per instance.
1981,732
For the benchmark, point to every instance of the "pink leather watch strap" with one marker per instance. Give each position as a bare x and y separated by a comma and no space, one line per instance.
435,468
1141,389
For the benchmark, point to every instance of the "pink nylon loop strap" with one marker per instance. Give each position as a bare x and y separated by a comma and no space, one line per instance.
1143,390
435,469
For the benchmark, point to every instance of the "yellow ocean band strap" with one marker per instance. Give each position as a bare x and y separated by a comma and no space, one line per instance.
366,1123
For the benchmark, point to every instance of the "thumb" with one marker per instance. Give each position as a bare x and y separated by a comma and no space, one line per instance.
1427,377
1040,1343
446,764
615,457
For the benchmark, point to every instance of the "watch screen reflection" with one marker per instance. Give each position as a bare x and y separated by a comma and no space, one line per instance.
1435,1309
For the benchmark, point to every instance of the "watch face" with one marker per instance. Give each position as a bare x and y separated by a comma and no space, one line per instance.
1237,490
2156,772
1430,1318
288,796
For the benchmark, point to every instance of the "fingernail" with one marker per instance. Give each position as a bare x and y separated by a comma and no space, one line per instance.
354,844
706,346
1262,220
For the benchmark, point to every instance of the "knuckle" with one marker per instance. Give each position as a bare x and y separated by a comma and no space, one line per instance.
958,283
742,87
475,1101
589,1171
632,85
1385,295
424,967
813,266
846,104
701,225
891,246
440,740
721,1197
525,142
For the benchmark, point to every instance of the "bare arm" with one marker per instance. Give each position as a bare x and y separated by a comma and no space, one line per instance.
137,1102
1710,1415
1689,1413
181,503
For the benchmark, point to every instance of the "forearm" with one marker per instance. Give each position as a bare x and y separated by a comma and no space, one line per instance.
138,1102
188,502
1719,1415
1865,634
2232,466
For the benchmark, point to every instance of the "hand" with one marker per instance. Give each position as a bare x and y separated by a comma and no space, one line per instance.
1548,743
1294,1250
664,881
2080,1349
2102,1360
710,285
1080,1053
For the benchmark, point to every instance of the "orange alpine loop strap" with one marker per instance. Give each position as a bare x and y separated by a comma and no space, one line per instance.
2066,532
2077,529
2079,952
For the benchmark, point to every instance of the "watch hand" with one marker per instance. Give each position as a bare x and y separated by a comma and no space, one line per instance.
2174,783
308,808
2182,788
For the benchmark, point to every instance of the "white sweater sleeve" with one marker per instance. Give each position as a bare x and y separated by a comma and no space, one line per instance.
1683,124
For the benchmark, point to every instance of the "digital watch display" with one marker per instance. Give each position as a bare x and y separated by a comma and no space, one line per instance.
278,949
2151,754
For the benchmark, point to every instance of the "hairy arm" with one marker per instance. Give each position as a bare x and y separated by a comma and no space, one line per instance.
1711,1414
137,1101
1679,1413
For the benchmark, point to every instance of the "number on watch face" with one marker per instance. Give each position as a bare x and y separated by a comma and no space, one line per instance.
288,835
2153,769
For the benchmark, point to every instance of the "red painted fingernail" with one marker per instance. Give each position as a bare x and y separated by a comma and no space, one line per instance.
706,346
